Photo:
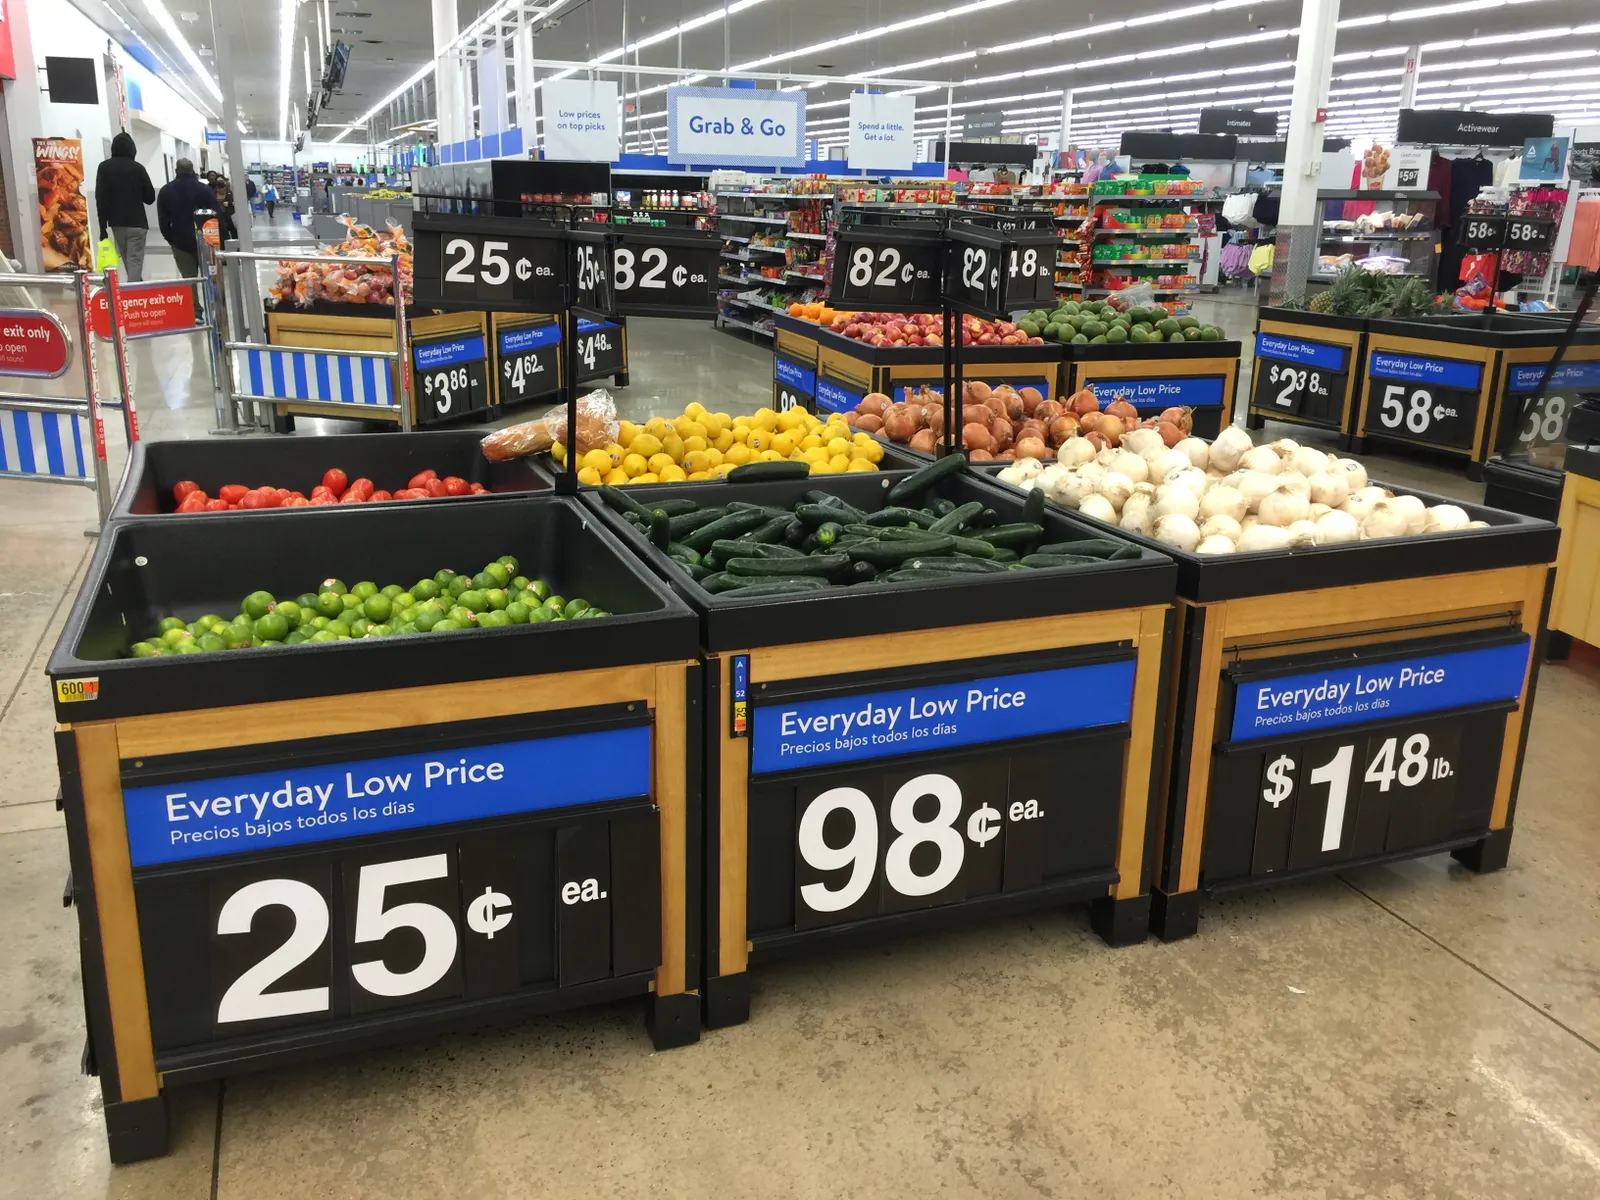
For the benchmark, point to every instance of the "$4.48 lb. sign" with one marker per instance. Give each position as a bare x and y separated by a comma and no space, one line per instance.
1419,399
600,349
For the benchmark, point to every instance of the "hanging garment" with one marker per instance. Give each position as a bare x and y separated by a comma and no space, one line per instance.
1507,170
1268,205
1439,181
1261,258
1235,259
1467,177
1238,207
1548,202
1584,250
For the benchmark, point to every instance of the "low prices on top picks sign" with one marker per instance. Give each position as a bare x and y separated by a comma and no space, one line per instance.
735,127
581,120
881,131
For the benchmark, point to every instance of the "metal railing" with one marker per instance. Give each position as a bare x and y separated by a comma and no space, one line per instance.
42,437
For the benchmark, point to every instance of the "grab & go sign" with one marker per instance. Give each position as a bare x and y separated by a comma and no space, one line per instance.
735,127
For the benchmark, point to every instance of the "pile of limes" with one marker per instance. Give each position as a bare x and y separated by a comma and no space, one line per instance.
706,445
495,596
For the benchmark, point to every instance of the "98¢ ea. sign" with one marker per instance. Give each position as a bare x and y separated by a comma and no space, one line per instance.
736,127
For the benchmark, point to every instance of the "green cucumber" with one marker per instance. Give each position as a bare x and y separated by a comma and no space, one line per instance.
730,526
861,572
1004,555
680,551
828,533
956,519
817,514
756,588
816,564
917,575
974,548
899,516
1040,561
828,499
797,532
772,531
739,548
694,570
1013,535
686,523
759,472
889,552
923,478
1033,506
660,535
943,508
619,501
956,566
1102,548
675,508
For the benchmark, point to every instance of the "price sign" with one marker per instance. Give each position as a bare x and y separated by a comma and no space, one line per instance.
1418,399
997,273
1299,378
1487,234
452,377
489,262
351,915
886,269
793,386
591,272
1542,417
600,349
529,362
664,272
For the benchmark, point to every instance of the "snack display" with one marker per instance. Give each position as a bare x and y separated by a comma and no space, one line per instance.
305,283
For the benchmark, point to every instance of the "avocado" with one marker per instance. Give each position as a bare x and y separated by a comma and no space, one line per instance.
1187,323
1167,327
1079,339
1116,334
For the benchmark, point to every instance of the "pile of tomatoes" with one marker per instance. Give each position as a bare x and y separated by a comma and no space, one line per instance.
336,488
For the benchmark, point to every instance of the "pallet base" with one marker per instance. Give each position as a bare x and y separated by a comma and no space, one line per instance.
137,1129
1490,854
673,1021
1121,922
1174,915
725,1000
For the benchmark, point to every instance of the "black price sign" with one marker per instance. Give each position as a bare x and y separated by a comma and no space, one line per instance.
600,349
591,275
1486,234
529,362
886,269
1417,399
1309,392
452,378
487,262
998,273
664,272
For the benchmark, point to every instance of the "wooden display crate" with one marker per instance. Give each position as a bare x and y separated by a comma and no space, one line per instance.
1575,608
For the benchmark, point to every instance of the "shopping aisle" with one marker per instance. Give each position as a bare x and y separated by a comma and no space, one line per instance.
1409,1030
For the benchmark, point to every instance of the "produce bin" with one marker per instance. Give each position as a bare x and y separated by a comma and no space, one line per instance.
1575,609
388,459
982,809
1462,386
248,829
1156,375
846,370
1303,680
1307,370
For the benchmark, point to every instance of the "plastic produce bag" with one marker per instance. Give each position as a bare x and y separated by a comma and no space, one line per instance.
1139,295
106,254
597,426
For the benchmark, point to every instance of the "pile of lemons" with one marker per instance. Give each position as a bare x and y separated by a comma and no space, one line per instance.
707,445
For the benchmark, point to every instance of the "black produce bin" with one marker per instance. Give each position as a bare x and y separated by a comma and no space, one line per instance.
730,622
298,463
895,458
147,568
1520,487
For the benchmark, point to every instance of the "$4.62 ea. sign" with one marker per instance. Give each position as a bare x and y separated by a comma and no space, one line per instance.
452,377
529,362
1420,399
1299,378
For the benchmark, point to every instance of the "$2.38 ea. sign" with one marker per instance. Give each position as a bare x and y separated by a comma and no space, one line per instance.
1300,378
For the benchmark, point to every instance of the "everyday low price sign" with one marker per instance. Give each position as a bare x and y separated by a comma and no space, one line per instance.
1200,391
939,716
736,127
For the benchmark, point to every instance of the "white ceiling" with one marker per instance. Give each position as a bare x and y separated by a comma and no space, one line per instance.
1014,55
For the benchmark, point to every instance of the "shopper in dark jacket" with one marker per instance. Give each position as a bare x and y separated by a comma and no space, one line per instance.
175,209
121,190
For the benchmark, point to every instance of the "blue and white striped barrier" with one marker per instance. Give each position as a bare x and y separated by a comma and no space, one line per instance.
316,376
48,445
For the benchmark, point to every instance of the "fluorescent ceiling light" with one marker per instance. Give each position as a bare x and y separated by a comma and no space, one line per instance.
286,14
175,35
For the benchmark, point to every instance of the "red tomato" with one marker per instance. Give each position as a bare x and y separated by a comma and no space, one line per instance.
217,505
182,488
257,500
479,490
419,480
335,481
379,496
454,485
436,488
297,502
297,495
193,502
363,485
351,496
283,494
317,501
319,490
232,492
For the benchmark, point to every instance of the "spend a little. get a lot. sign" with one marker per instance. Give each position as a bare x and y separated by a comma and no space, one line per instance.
735,127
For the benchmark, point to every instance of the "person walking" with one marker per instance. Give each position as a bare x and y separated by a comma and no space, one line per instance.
121,190
269,197
224,190
175,209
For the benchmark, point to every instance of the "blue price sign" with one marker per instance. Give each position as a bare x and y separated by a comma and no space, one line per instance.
1193,391
1301,352
832,397
793,386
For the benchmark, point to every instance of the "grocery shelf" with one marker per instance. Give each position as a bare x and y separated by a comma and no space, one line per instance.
756,219
810,237
735,257
1079,218
768,249
1070,287
807,278
728,237
1146,262
775,197
1166,233
730,278
1117,199
1100,291
753,328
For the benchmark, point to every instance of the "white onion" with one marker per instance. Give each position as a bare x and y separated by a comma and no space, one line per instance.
1358,506
1283,506
1330,487
1318,509
1116,487
1165,462
1213,475
1263,537
1092,472
1228,447
1384,521
1224,501
1308,460
1356,471
1097,506
1178,531
1190,478
1142,441
1337,527
1070,490
1173,499
1283,447
1215,544
1198,451
1262,458
1136,516
1304,533
1220,525
1295,482
1476,525
1016,473
1125,462
1075,451
1372,493
1250,522
1442,517
1254,486
1416,512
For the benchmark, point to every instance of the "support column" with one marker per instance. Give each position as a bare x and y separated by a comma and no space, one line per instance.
234,146
527,89
1066,118
1408,81
1302,170
447,74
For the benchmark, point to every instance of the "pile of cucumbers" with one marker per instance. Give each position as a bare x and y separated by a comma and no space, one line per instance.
823,541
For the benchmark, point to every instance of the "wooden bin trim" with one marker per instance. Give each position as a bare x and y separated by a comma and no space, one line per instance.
1142,627
102,745
1577,590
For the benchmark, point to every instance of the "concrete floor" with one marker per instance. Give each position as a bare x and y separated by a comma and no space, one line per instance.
1400,1032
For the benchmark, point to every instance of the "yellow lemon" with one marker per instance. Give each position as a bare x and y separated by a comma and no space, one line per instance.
875,451
659,461
792,419
657,427
838,446
697,460
635,465
673,444
626,432
770,456
722,471
692,429
647,477
766,419
691,444
590,476
741,434
861,453
559,453
862,464
694,409
759,440
861,438
738,454
615,451
596,460
673,473
723,419
646,444
783,443
839,462
713,426
616,475
810,442
724,440
819,466
814,454
696,476
714,455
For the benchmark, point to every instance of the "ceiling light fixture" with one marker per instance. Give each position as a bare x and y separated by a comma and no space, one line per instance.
174,35
286,15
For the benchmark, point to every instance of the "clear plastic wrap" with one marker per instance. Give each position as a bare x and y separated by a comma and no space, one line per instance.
597,427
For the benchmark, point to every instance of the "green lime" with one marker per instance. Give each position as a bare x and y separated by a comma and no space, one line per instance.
145,650
404,627
196,628
169,623
211,643
177,637
427,618
424,589
483,581
257,604
324,635
403,600
306,600
557,603
360,627
348,618
291,612
509,562
234,636
462,616
518,612
329,604
496,598
446,625
348,601
189,647
379,630
212,619
473,601
540,615
391,591
365,588
493,619
458,585
575,607
444,577
499,572
319,622
296,636
332,585
540,589
271,627
517,583
597,612
378,608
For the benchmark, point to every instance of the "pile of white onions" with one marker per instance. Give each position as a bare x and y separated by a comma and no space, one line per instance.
1229,495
